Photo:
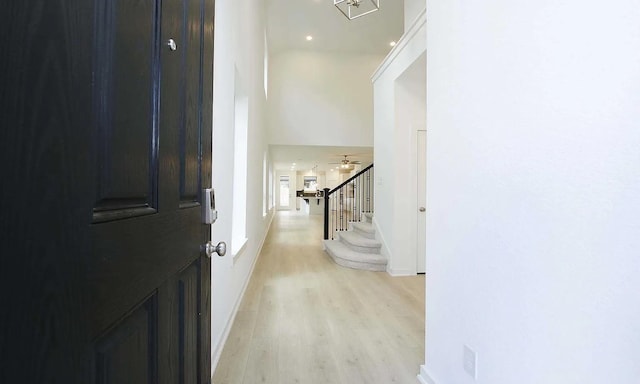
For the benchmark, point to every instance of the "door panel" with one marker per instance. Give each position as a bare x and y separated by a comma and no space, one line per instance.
191,93
151,136
47,191
124,96
106,134
129,260
188,318
128,353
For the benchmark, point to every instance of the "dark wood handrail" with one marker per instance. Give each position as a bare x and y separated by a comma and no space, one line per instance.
356,181
350,179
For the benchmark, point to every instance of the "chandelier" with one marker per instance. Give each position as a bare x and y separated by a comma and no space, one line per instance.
352,9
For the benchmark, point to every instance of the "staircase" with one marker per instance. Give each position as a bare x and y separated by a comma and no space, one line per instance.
357,247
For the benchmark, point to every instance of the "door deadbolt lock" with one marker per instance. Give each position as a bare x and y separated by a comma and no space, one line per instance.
209,213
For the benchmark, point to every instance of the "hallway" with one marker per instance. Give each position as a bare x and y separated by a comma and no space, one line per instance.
306,320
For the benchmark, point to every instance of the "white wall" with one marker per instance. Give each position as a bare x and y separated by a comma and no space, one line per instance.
533,232
334,178
394,152
318,98
412,9
239,43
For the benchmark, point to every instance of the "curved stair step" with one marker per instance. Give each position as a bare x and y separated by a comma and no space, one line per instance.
347,257
359,243
365,229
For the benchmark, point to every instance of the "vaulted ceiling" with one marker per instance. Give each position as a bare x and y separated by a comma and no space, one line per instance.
289,22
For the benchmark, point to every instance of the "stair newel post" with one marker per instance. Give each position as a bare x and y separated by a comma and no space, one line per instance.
326,213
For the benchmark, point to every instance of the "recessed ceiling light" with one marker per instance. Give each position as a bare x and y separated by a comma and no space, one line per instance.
309,38
393,43
293,163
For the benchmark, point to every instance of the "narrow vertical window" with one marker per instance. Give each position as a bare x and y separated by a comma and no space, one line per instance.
266,65
265,185
241,124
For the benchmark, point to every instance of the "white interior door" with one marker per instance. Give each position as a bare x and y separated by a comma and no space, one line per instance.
421,246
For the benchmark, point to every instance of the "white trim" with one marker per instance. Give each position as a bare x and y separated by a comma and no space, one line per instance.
217,349
424,377
384,250
420,20
400,272
238,252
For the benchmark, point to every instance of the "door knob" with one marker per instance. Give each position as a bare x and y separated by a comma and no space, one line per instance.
220,249
421,209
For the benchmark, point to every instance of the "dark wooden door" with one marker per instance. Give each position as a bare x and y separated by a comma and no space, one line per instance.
106,148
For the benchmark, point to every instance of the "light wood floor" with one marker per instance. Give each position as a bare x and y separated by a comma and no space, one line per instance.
307,320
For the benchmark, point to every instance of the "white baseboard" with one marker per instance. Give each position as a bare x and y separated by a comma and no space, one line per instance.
217,349
400,272
424,377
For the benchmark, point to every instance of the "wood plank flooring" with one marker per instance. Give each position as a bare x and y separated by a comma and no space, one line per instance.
306,320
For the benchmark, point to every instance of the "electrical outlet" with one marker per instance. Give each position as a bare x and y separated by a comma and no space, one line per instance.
470,362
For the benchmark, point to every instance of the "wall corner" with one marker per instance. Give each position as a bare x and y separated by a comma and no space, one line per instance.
423,376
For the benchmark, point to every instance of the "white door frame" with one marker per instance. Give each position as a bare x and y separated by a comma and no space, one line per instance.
421,199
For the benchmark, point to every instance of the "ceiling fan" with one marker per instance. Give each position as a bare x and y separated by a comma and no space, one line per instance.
346,163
